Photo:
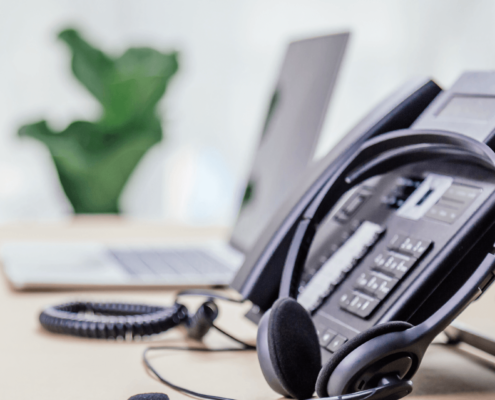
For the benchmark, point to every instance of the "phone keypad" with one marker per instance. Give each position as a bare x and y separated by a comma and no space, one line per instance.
375,283
363,287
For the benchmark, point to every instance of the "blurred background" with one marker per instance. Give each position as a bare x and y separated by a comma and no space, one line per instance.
215,106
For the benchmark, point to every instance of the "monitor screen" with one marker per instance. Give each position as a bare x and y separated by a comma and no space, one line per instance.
295,116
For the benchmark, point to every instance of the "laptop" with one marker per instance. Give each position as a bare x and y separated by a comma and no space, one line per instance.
290,133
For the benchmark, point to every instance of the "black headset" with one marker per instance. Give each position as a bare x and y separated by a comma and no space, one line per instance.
378,363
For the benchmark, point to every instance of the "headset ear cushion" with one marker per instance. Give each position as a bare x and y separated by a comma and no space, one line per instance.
294,348
347,348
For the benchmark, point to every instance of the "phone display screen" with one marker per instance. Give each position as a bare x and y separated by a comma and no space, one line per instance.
476,108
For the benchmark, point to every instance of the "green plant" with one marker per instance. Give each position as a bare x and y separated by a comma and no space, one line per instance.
95,159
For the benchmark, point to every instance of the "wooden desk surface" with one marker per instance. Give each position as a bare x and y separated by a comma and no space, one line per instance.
38,365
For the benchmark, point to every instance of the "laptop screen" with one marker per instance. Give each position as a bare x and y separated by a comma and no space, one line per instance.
293,123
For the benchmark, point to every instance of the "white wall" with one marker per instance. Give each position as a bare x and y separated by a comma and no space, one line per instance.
230,55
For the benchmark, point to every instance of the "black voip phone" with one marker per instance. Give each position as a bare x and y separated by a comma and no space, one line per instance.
388,245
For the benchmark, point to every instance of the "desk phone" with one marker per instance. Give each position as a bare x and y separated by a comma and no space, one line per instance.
399,245
391,247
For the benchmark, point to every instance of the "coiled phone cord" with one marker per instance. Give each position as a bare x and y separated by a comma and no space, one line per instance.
129,321
111,320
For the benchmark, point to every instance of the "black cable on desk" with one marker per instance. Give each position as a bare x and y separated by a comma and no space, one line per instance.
245,346
148,365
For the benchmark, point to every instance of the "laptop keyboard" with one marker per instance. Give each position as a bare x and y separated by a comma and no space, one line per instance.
169,263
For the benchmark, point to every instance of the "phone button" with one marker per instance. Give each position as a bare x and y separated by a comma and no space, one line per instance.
443,214
337,341
345,300
366,307
409,245
384,287
374,284
362,306
462,193
351,206
394,264
362,281
327,336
